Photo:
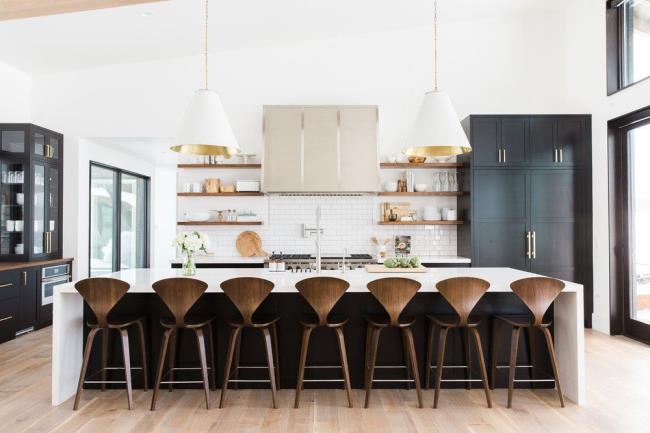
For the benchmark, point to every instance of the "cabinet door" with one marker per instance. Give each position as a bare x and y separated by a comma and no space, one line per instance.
321,150
13,141
12,209
553,221
283,140
359,160
570,140
542,141
485,141
52,199
27,301
8,311
514,132
38,210
500,218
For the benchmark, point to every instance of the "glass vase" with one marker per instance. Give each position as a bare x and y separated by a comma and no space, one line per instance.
189,268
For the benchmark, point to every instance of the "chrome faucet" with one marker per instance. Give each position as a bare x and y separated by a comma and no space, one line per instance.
306,232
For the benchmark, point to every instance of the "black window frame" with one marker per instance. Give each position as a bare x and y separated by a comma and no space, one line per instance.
117,212
615,47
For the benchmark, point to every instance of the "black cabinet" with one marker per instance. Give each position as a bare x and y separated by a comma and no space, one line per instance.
558,141
500,141
27,314
31,159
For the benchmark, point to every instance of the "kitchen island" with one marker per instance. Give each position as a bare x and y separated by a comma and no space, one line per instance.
69,315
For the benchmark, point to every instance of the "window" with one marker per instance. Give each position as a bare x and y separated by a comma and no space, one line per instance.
628,43
119,228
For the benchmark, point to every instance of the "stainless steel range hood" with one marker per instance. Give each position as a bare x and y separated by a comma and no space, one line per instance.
320,149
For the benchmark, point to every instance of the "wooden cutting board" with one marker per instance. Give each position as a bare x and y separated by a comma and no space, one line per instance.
249,244
376,269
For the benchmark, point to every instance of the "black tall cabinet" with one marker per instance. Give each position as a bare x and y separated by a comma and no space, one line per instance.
530,203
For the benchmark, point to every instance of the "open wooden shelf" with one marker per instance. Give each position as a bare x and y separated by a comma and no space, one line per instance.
420,223
220,194
219,166
219,223
426,193
408,165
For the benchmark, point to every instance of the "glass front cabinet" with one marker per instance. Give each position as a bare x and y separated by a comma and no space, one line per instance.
31,160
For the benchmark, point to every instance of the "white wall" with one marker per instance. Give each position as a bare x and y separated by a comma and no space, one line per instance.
586,91
15,87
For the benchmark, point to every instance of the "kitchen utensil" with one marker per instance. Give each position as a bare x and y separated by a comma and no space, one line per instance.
451,215
444,212
197,187
390,186
212,185
375,269
421,187
248,185
187,187
249,244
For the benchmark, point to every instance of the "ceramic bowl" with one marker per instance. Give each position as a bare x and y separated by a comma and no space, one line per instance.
390,186
421,187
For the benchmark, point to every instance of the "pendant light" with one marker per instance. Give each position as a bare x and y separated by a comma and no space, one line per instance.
437,131
204,128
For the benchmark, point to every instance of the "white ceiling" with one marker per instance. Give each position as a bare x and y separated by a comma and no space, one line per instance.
175,28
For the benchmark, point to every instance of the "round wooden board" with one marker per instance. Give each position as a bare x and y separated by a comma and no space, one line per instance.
249,244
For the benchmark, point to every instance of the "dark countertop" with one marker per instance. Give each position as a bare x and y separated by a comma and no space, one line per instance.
8,266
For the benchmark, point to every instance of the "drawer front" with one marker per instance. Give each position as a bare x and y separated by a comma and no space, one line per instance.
9,284
55,271
8,310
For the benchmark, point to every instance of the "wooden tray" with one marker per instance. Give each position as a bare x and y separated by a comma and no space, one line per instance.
376,269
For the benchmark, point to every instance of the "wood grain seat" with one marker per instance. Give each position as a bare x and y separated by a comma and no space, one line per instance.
322,294
381,321
179,295
247,294
538,294
101,295
393,294
462,293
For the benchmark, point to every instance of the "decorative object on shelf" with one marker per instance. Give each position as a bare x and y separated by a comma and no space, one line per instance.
196,216
212,185
437,132
249,244
227,188
390,186
421,187
247,186
190,244
204,128
245,157
381,248
402,245
395,211
417,159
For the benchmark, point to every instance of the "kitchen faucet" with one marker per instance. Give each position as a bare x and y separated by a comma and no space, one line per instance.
306,232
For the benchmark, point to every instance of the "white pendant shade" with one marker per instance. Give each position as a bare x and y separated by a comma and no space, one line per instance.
437,131
204,128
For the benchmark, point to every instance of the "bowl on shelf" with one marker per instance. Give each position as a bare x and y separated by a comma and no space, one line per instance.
390,186
420,187
197,216
417,159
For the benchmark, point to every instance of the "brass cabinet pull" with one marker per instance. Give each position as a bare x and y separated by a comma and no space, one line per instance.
6,285
49,242
499,155
534,246
6,318
528,246
504,155
24,278
561,156
555,154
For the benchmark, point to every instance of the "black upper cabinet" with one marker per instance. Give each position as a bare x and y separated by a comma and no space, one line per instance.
514,135
31,161
570,141
499,141
542,141
485,140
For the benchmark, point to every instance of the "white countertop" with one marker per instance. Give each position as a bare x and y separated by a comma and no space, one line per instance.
246,260
142,279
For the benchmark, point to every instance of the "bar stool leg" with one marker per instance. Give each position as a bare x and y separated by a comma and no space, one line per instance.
556,374
531,352
408,336
173,339
84,365
269,358
366,364
161,365
143,351
427,371
371,365
127,365
442,340
276,354
495,348
407,363
234,334
304,347
481,363
235,366
344,364
105,335
514,342
200,342
209,336
467,339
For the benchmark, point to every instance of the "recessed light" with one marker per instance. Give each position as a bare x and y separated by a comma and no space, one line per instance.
146,14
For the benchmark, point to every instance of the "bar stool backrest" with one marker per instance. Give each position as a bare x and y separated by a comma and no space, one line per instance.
322,293
463,293
179,294
394,294
101,295
247,293
538,293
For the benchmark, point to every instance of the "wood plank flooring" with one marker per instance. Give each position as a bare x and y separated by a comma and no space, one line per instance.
618,392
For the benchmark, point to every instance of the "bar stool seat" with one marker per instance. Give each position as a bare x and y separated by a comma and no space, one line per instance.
191,322
452,321
381,321
260,321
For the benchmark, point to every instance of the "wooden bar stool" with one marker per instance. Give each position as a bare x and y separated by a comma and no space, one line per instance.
462,294
393,294
322,293
247,294
101,295
537,293
179,295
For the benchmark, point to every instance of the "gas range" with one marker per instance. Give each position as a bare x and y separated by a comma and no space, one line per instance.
307,262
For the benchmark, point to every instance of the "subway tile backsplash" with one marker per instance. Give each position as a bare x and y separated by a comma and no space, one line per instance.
348,222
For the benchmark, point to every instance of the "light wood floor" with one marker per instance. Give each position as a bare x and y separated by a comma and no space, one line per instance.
618,390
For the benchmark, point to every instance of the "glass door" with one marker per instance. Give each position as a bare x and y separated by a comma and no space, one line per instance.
52,210
38,211
12,208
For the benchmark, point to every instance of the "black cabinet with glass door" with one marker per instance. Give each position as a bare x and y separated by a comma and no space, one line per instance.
31,159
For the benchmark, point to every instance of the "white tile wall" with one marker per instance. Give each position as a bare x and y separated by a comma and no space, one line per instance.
347,221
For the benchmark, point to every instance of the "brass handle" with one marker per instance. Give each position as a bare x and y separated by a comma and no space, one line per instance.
6,318
24,278
528,246
6,285
561,156
499,155
504,155
555,155
534,246
49,242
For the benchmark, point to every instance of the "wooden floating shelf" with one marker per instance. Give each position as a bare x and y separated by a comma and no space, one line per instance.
219,223
219,166
408,165
220,194
421,223
426,193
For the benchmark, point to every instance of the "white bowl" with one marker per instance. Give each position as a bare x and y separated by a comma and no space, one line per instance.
198,216
390,186
421,187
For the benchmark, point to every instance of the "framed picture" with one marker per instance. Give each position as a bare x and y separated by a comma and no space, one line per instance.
402,245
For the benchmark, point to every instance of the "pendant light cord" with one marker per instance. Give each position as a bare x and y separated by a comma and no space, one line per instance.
205,48
435,45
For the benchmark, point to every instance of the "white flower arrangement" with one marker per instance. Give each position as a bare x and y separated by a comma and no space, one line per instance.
192,242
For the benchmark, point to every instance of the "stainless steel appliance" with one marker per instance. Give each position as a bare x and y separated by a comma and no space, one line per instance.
307,262
51,277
